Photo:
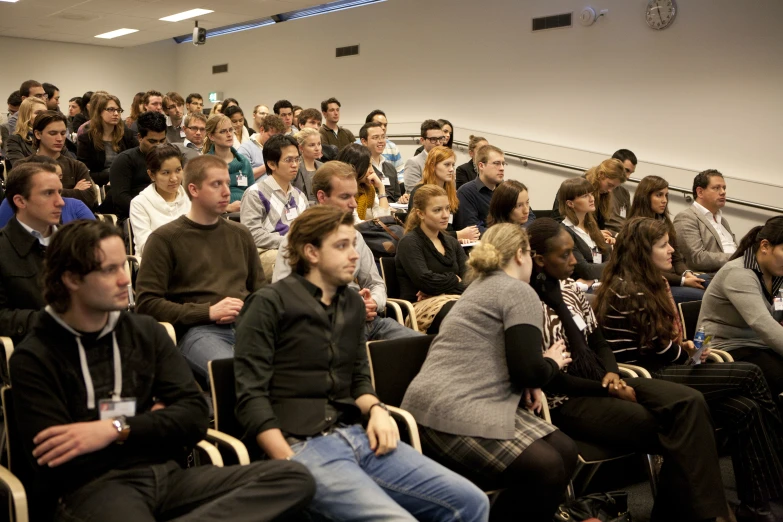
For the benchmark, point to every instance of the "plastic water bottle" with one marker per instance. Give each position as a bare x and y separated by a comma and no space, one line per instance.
698,342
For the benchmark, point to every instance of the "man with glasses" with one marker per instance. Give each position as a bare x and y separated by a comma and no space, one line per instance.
195,103
331,133
271,204
259,113
28,89
474,196
390,152
174,107
195,128
128,172
431,136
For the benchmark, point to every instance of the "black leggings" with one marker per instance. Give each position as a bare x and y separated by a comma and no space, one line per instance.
536,481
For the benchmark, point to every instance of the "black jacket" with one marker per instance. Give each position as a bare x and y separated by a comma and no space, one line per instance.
466,172
21,260
128,176
585,268
49,390
96,159
421,268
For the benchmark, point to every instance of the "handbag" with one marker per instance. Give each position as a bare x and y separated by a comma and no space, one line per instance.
381,235
611,506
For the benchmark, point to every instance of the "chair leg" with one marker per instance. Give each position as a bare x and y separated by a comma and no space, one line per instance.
653,468
571,490
591,474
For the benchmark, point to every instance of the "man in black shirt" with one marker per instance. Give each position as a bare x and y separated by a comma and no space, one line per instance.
474,197
304,387
105,406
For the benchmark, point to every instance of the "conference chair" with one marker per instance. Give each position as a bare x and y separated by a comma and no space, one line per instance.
689,318
543,213
109,218
132,268
127,230
389,275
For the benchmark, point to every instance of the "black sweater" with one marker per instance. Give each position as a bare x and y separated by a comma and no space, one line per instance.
420,267
49,391
128,176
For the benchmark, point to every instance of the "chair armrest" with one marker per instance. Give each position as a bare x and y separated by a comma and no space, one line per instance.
411,311
413,429
111,218
212,452
397,312
632,370
714,357
8,348
170,330
16,494
726,356
231,443
545,409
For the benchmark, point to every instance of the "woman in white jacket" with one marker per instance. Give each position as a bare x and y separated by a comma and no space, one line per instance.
164,200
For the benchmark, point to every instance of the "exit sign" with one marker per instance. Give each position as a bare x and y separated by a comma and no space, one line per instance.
215,97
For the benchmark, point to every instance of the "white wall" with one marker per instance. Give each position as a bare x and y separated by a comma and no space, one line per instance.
77,68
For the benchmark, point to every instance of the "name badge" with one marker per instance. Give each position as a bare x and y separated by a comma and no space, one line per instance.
291,213
598,258
451,219
778,303
580,323
111,408
241,180
623,212
386,181
181,133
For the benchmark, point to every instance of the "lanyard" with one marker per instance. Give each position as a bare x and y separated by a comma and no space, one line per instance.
117,392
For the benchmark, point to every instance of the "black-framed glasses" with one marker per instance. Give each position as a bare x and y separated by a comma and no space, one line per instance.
437,139
113,110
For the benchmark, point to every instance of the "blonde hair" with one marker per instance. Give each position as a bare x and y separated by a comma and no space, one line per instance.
608,169
212,124
216,109
24,123
421,199
473,142
428,177
497,248
302,135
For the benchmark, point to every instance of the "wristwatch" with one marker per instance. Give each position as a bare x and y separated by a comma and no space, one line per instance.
121,425
380,405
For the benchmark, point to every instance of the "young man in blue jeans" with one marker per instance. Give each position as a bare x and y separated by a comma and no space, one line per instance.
304,388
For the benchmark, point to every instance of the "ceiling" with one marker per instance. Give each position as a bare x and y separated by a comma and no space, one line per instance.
78,21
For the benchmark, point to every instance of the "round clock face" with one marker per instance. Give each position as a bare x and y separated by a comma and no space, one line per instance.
661,13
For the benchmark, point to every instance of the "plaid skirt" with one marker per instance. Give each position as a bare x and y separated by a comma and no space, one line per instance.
487,458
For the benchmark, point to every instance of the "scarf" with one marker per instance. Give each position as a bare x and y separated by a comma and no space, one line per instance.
364,201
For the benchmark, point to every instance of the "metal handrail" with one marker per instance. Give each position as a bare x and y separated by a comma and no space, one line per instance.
686,191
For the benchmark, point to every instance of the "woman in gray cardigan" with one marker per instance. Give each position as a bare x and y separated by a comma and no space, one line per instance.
467,395
739,309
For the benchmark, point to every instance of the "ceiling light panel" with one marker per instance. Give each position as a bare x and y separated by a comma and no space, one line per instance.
185,15
115,34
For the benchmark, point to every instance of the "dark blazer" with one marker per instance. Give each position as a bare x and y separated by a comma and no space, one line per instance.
21,260
585,268
94,158
389,172
466,172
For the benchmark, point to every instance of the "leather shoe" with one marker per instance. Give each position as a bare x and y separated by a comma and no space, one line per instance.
748,513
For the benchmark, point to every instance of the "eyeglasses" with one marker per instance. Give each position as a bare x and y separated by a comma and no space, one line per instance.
43,96
437,139
113,110
291,160
197,129
224,132
499,164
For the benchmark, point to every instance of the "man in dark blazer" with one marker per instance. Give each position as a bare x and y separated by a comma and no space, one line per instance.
33,191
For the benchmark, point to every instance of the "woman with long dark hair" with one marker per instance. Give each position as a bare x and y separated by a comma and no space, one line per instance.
106,137
742,308
371,199
590,402
651,200
637,313
510,203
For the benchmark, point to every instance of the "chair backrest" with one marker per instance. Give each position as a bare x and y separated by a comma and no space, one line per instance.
170,330
8,349
224,397
389,274
395,363
543,213
689,315
127,230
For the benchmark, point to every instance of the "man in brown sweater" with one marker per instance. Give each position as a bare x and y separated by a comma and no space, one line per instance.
331,133
198,269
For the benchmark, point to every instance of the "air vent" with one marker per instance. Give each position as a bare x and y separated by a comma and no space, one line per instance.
351,50
217,69
552,22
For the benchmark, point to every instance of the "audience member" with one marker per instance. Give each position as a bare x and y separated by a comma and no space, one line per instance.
448,131
335,185
431,136
642,326
174,108
259,113
468,397
591,403
372,200
198,269
128,173
331,133
468,171
373,137
310,118
96,439
741,309
707,241
604,178
430,263
194,103
137,107
83,117
52,97
439,170
270,205
510,203
33,191
106,138
474,197
303,386
49,133
96,99
576,202
285,110
20,142
253,149
651,200
237,117
297,111
28,89
220,143
164,200
153,102
229,102
13,102
309,141
216,109
195,128
621,198
390,152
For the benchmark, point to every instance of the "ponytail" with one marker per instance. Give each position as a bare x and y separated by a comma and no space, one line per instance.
749,241
772,231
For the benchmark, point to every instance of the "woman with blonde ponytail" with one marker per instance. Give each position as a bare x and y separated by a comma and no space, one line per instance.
476,395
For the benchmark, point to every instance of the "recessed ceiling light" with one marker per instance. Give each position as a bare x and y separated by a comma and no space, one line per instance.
10,1
185,15
115,34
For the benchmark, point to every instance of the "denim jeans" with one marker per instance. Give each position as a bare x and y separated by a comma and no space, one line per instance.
352,484
386,328
202,344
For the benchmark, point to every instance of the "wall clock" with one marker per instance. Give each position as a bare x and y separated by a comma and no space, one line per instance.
661,13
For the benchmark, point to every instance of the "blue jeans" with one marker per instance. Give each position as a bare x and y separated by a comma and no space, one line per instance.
352,484
202,344
386,328
683,294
